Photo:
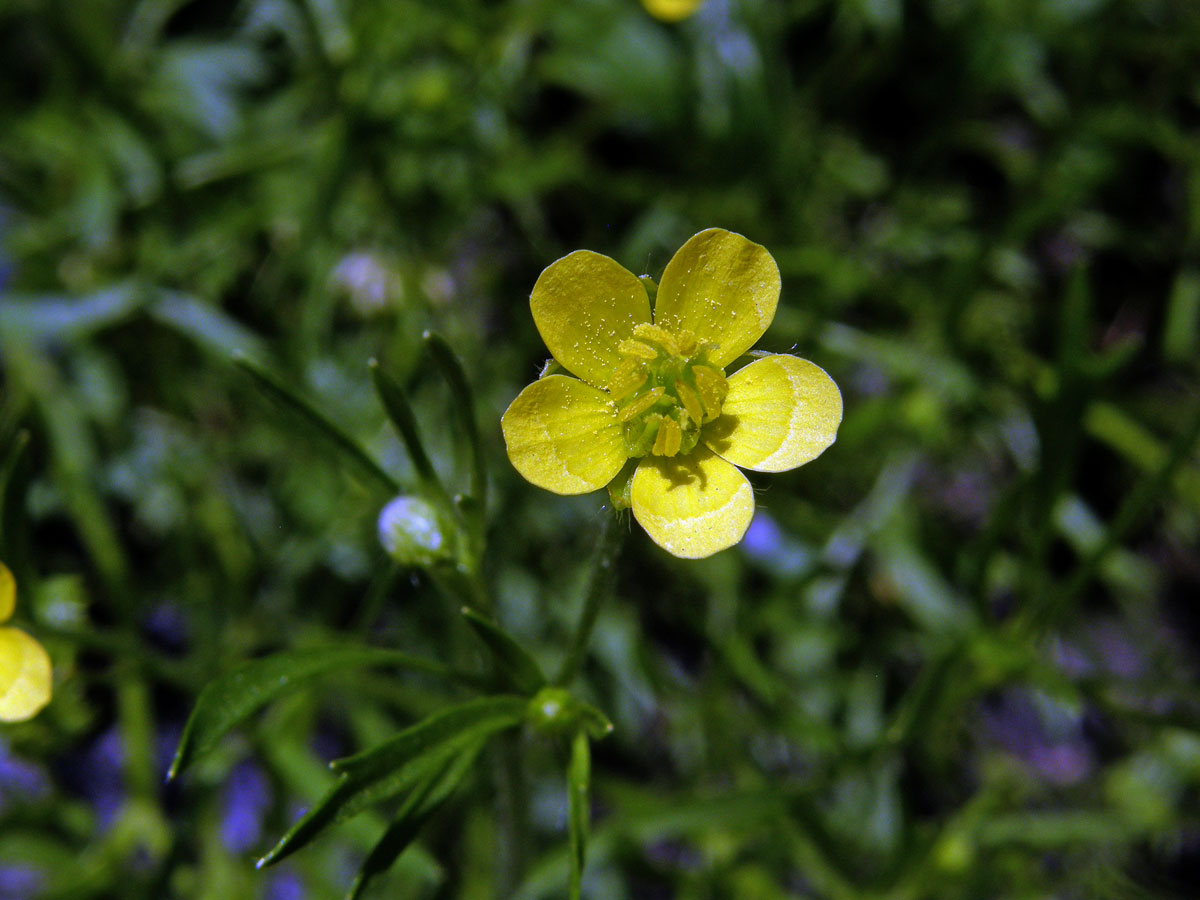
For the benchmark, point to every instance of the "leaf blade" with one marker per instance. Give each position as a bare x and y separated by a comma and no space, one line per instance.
417,810
320,424
400,412
519,668
232,697
400,764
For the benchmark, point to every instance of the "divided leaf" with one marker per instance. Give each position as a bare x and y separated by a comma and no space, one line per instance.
451,366
519,668
402,763
400,412
231,698
421,804
317,422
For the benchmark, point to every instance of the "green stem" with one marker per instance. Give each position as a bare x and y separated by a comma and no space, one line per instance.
373,603
137,735
128,649
514,814
599,585
462,588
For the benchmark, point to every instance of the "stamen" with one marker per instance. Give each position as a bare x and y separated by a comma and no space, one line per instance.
690,402
653,334
689,344
712,388
669,438
642,403
628,377
630,347
666,390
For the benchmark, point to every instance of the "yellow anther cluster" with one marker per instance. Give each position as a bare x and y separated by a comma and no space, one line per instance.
665,390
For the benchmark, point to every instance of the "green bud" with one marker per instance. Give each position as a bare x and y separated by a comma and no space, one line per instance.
553,711
412,532
954,853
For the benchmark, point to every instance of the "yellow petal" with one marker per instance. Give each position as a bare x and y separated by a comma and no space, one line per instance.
25,676
563,435
694,505
671,10
584,306
721,287
781,412
8,593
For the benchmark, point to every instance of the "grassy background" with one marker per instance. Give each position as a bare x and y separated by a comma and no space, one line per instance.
956,656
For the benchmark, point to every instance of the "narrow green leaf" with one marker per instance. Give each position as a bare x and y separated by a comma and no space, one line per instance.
1076,319
1108,363
400,764
421,804
399,411
595,723
923,698
519,668
452,370
646,816
1125,435
1183,317
493,713
206,324
921,590
317,422
35,318
1044,831
349,795
232,697
1149,490
947,376
579,776
11,513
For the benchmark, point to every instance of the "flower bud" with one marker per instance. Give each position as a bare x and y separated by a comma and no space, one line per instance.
412,532
553,711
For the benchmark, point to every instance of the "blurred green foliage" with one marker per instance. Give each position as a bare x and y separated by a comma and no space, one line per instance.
955,657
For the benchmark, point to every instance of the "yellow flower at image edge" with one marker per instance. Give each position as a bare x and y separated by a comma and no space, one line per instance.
651,390
671,10
25,672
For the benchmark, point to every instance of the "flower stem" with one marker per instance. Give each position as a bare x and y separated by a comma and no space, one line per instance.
599,585
513,813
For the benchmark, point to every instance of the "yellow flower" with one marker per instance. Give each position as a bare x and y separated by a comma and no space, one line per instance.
671,10
651,388
24,666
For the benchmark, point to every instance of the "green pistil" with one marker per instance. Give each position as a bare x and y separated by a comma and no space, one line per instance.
666,390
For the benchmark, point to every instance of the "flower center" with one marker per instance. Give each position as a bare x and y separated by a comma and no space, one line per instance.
665,390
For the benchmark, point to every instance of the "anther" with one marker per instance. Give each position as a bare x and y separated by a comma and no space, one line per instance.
690,402
689,344
712,388
669,438
642,403
630,347
653,334
628,377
